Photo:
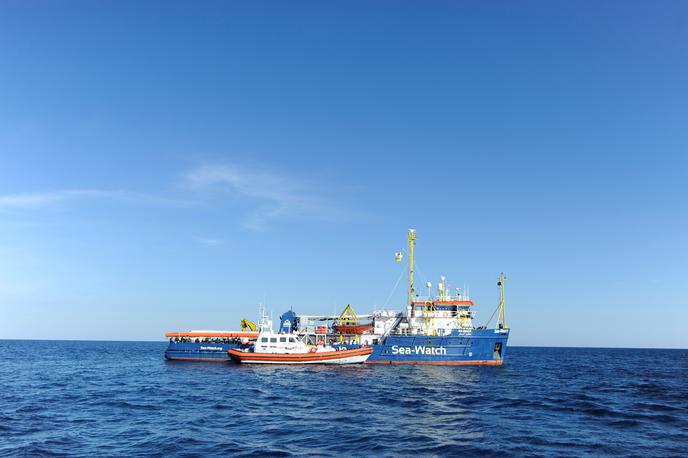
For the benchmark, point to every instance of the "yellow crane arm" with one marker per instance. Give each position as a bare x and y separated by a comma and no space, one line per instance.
248,325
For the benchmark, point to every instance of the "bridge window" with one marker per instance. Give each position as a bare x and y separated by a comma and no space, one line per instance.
264,339
283,339
273,339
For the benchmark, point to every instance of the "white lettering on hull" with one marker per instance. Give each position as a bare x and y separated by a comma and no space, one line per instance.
418,350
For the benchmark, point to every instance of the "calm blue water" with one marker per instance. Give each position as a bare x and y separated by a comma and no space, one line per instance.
123,398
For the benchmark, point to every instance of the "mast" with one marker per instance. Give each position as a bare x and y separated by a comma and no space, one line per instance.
501,320
412,244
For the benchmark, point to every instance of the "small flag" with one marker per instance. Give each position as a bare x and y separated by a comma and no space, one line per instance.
398,256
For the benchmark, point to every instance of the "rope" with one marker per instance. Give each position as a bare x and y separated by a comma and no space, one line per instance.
493,314
419,272
394,289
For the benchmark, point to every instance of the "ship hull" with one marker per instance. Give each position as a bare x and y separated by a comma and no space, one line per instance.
479,347
353,356
195,351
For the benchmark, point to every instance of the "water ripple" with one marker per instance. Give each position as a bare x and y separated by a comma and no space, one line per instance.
124,399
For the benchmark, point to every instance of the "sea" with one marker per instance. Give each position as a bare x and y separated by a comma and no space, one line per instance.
77,398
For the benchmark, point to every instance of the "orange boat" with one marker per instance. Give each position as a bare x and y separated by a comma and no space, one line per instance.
352,328
288,348
353,356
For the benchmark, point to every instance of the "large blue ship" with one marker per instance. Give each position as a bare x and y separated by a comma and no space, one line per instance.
436,329
439,329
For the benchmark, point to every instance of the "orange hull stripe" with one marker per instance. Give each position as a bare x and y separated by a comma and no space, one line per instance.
445,303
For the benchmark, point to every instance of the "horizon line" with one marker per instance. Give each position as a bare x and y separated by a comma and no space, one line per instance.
509,346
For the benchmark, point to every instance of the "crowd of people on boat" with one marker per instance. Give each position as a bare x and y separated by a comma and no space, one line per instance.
217,340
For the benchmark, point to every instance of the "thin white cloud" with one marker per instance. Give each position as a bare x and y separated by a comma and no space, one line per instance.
211,242
275,196
41,199
44,199
270,197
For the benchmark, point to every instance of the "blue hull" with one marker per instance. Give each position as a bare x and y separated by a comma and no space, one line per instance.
478,347
194,351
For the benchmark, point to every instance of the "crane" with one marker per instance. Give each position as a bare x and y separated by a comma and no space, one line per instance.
248,325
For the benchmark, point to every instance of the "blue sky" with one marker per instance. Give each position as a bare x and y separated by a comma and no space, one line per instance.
169,165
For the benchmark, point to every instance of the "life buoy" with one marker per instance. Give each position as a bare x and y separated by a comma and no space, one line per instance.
320,342
313,350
